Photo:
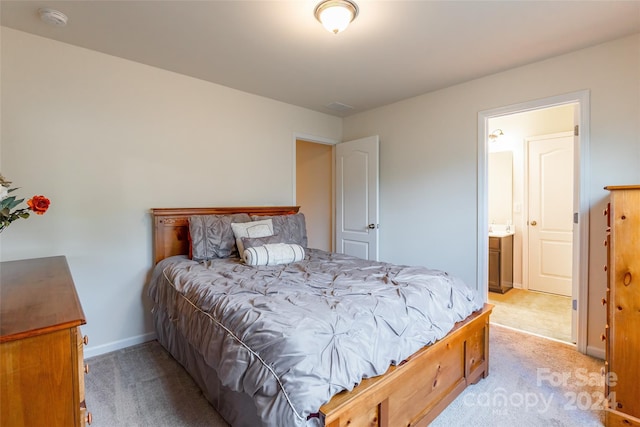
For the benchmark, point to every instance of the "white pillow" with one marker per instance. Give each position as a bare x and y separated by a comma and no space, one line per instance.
273,253
261,228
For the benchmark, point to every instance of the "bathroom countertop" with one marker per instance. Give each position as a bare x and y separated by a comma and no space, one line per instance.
501,230
501,233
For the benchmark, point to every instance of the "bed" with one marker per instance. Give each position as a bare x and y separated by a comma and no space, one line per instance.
409,391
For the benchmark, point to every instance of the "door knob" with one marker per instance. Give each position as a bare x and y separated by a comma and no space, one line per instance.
533,223
371,226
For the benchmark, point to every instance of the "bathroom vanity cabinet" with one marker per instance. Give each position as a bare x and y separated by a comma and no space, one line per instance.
500,263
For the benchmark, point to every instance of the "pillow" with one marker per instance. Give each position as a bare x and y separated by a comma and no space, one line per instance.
273,254
212,236
292,227
252,242
262,228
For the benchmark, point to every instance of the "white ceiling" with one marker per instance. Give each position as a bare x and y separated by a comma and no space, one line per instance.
392,51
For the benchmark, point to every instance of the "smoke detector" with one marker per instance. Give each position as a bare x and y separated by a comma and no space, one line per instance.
53,17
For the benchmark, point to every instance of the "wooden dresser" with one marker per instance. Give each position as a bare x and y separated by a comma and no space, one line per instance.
41,357
622,333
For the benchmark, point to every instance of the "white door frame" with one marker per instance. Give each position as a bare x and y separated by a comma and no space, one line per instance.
581,203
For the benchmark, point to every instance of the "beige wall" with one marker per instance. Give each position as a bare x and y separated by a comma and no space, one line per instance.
314,191
107,139
429,148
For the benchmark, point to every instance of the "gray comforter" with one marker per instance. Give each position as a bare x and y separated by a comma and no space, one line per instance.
294,335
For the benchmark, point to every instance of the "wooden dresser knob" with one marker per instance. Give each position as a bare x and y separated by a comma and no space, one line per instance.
85,340
86,368
604,301
89,418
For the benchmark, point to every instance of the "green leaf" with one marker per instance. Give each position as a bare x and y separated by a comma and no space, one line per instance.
14,203
7,202
10,202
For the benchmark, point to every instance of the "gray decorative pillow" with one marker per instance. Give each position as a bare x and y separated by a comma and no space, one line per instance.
252,242
212,237
292,228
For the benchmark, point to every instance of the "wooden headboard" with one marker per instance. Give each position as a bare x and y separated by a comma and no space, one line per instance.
171,225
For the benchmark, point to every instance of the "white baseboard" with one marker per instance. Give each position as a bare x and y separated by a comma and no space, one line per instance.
596,352
92,351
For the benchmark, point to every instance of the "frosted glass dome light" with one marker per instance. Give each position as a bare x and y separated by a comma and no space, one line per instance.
336,15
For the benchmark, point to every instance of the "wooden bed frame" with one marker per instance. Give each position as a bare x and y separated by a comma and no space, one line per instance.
410,394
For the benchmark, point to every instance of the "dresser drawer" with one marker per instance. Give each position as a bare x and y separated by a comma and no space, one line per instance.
38,381
83,369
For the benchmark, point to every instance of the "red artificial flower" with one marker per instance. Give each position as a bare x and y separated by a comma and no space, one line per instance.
39,204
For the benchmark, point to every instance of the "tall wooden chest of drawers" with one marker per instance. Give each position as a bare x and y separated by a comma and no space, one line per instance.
623,307
41,358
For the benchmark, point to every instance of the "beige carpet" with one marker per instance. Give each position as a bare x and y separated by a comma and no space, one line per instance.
540,313
532,382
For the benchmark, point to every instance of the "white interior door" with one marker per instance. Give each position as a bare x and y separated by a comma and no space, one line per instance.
357,197
550,222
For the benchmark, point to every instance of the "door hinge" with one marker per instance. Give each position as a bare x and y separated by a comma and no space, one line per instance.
574,304
575,217
576,130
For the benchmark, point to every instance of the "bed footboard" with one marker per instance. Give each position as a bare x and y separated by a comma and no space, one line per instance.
415,392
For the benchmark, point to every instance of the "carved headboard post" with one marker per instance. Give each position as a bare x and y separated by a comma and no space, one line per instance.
171,225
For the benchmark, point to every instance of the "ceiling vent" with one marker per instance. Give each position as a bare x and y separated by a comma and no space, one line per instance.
339,107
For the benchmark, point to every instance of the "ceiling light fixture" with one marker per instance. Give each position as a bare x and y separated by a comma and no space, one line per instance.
336,15
495,135
53,17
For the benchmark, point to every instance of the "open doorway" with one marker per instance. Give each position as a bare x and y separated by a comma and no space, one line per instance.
314,190
530,210
578,265
337,188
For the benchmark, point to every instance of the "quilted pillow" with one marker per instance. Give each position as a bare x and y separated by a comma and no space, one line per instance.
252,242
212,236
273,254
261,228
292,228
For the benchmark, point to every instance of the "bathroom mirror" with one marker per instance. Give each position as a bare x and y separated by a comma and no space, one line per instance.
500,187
